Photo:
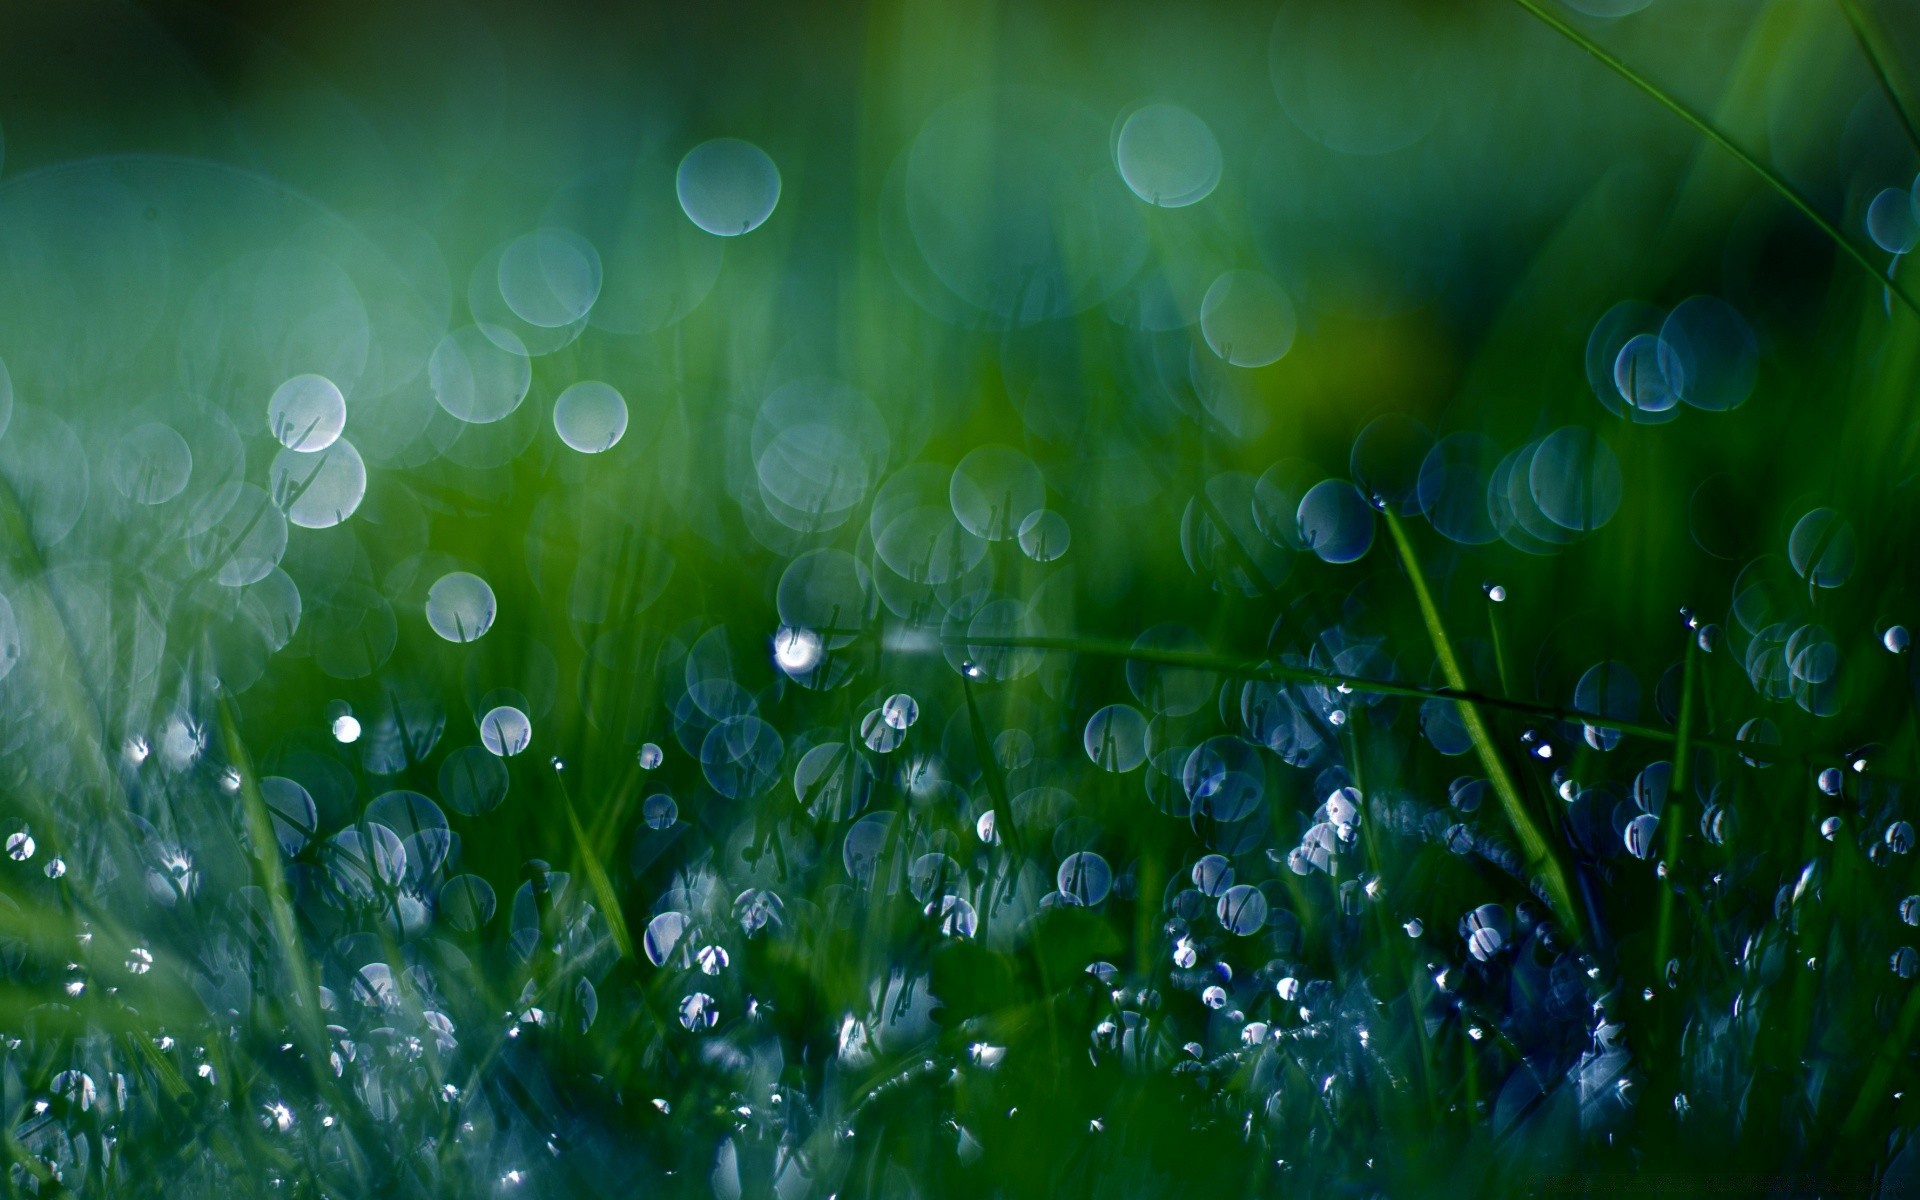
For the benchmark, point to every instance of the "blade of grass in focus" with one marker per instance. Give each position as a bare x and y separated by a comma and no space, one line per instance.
1539,852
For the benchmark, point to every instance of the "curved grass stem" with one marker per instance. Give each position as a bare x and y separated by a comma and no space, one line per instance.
1534,845
1707,130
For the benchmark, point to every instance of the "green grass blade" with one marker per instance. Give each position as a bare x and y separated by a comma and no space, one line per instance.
1534,846
1707,130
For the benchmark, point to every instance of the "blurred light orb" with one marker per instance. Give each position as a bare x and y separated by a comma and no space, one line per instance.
994,490
346,729
550,277
505,731
1575,479
727,186
1167,156
1891,221
1248,319
900,710
1116,738
1822,548
796,651
321,489
590,417
1045,535
659,811
151,464
1647,374
478,376
460,606
307,413
1336,522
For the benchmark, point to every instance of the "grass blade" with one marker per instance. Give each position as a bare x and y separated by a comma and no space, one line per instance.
1707,130
1534,846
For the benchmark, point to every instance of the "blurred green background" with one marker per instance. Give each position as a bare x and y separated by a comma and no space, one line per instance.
1468,516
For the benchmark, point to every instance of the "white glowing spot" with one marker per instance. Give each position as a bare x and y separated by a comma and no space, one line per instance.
346,729
796,651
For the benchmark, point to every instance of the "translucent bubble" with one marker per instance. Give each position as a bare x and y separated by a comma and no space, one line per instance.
1896,639
1645,380
43,461
1166,688
727,186
741,757
1223,779
1905,962
825,593
1647,374
590,416
460,607
650,757
1441,722
475,379
659,811
319,490
241,535
20,846
505,731
818,445
900,711
1248,319
291,806
1045,535
1718,355
1242,910
1899,837
1575,479
666,934
1891,221
1084,878
1212,875
1830,828
1910,910
307,413
1387,459
367,866
1831,780
1335,521
1607,689
1758,732
1639,835
1822,548
956,916
865,841
880,736
1167,156
994,490
473,780
1486,929
466,902
550,277
1467,793
151,463
1116,738
1452,488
